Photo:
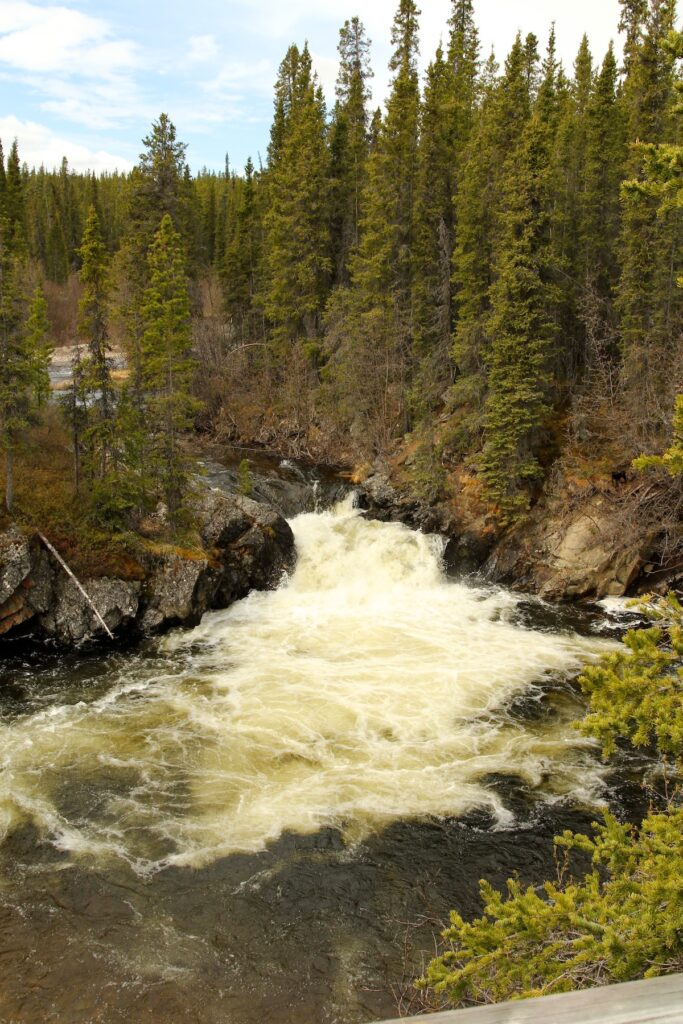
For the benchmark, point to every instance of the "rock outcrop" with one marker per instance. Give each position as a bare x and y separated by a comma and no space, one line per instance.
26,580
586,543
69,618
245,546
592,549
385,502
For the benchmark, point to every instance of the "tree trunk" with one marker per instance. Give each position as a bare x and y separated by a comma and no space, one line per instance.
9,478
77,461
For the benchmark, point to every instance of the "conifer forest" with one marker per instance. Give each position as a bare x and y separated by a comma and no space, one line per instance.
489,265
460,311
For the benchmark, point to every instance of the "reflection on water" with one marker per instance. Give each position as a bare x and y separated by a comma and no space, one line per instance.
237,823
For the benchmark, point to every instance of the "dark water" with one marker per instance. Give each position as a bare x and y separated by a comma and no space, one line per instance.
308,931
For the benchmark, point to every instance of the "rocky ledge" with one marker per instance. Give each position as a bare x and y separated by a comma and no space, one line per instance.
246,546
608,538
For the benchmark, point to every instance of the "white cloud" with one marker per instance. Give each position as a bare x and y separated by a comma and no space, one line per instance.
60,39
229,96
84,72
327,68
203,50
40,145
102,104
254,76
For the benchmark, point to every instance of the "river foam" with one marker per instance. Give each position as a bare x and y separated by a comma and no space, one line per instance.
368,688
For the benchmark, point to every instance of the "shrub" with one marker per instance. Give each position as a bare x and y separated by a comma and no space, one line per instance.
624,919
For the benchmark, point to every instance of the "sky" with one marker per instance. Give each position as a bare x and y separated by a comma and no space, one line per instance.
85,78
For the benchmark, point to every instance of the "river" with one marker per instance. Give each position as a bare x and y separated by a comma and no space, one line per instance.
265,819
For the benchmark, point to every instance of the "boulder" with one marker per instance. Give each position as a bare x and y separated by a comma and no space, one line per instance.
25,579
71,620
176,592
15,561
251,542
40,583
383,502
14,612
466,552
247,546
587,551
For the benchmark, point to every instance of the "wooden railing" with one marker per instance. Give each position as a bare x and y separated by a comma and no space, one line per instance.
656,1001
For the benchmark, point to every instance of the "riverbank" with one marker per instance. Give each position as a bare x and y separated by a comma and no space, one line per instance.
585,539
239,545
596,528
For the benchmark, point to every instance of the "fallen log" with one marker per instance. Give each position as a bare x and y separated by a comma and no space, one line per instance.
53,551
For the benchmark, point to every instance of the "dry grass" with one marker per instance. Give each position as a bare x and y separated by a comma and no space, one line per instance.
46,500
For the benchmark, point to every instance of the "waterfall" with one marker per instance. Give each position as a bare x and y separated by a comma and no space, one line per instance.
366,689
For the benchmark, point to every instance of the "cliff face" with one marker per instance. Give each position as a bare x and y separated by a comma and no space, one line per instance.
245,545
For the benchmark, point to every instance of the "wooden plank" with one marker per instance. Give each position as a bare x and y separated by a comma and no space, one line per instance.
655,1001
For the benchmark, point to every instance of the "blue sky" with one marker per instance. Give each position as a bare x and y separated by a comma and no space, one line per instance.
85,78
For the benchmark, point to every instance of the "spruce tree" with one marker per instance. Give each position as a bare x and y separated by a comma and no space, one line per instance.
14,194
297,222
156,188
464,62
556,251
167,365
209,211
3,184
24,355
491,156
93,325
56,256
472,263
649,68
521,325
600,210
398,146
648,300
569,159
70,213
285,87
433,238
370,324
631,21
349,144
446,123
243,262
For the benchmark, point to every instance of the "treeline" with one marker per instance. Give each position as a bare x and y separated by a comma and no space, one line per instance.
472,251
56,205
126,436
496,252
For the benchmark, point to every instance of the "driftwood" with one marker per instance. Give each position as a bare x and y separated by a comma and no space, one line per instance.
67,570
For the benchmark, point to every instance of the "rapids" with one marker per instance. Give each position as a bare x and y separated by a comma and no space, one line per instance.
368,689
